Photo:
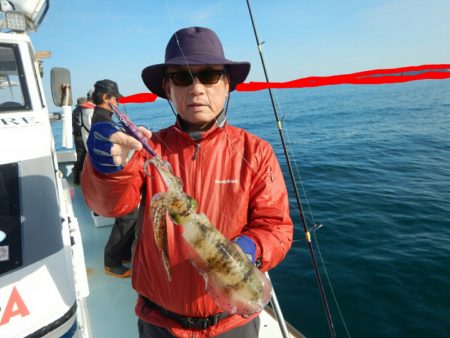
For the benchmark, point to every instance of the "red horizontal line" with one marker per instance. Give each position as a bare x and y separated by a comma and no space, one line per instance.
138,98
378,76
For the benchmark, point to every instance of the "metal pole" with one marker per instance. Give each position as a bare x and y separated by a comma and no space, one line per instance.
277,309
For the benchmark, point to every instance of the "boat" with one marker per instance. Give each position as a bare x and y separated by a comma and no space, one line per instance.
42,274
52,282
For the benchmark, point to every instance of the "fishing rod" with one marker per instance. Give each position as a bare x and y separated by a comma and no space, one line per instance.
297,195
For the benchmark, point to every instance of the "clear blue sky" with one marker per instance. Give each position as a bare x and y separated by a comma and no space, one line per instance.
116,39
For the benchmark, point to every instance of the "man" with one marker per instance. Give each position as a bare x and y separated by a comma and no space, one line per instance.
118,248
79,145
233,175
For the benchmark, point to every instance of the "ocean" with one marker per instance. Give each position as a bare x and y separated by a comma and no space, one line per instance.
373,166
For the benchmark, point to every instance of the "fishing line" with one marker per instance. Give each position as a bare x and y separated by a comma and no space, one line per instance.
295,161
176,36
225,110
297,194
177,40
311,215
329,284
186,62
172,25
315,226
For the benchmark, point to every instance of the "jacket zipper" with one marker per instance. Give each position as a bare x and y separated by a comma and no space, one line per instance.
196,151
195,158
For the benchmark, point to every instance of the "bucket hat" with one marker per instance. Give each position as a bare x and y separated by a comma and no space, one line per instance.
193,46
107,87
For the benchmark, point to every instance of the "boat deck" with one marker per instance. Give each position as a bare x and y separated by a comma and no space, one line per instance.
111,300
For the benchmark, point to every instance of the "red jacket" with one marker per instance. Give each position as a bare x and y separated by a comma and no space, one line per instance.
237,182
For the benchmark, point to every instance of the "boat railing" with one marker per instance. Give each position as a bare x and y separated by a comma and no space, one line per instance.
278,313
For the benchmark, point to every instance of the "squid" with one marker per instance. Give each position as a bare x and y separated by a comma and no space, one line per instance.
233,282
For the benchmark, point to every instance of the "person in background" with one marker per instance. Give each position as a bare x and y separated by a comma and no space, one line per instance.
233,175
118,247
87,110
79,146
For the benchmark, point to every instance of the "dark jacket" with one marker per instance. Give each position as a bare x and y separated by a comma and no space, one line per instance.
101,115
76,121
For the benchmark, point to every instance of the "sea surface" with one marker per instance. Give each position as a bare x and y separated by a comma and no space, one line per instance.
373,166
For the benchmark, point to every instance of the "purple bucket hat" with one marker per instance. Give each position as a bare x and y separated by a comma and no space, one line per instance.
193,46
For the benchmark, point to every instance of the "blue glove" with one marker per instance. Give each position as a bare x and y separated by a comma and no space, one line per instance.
99,147
248,246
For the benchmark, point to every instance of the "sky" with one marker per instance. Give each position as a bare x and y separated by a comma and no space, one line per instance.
116,39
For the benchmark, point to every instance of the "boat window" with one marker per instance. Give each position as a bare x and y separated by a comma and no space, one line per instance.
10,222
13,90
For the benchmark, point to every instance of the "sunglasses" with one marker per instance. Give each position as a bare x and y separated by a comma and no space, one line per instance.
186,78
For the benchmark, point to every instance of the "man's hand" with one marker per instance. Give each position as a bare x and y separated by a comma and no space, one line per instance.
123,144
109,148
247,246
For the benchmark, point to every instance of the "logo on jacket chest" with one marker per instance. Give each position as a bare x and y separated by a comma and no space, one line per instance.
227,181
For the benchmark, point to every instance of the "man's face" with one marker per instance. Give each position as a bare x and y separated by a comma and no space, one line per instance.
109,99
197,103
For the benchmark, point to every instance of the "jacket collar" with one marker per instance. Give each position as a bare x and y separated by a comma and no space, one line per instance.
199,135
103,110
